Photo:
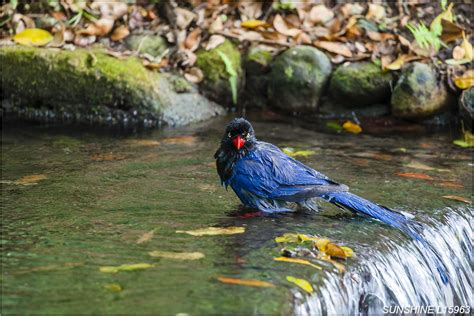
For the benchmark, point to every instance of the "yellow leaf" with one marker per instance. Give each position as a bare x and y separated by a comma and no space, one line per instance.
334,250
467,47
30,180
287,237
468,140
347,251
322,243
33,37
352,127
400,61
177,255
125,267
246,282
143,142
299,261
305,285
146,237
303,238
214,231
295,153
466,80
252,24
113,287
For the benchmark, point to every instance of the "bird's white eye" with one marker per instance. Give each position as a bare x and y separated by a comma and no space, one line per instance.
247,135
229,135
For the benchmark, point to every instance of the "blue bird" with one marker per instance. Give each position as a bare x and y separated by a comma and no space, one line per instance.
265,178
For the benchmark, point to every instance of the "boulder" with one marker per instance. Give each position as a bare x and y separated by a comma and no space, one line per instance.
153,45
466,107
298,79
418,94
360,84
256,64
216,83
83,80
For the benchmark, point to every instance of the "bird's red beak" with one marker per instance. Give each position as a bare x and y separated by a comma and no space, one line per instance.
238,142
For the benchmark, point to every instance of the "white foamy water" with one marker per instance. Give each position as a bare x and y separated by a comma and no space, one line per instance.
405,276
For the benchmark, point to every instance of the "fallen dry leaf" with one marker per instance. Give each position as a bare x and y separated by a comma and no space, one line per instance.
186,139
107,157
177,255
378,37
334,47
193,39
246,282
146,237
120,33
320,14
126,267
211,231
299,261
184,17
451,31
143,142
415,175
458,53
100,27
194,75
280,25
31,180
466,80
375,12
303,284
400,61
450,184
457,198
334,250
214,41
467,46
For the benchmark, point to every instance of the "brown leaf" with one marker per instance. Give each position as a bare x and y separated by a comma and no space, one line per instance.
214,41
280,25
193,39
457,198
451,184
451,31
184,17
320,14
194,75
107,157
415,175
404,41
100,27
378,37
146,237
246,282
120,33
302,38
376,12
334,47
31,180
334,250
400,61
83,41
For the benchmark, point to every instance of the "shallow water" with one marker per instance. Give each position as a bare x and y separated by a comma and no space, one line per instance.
104,191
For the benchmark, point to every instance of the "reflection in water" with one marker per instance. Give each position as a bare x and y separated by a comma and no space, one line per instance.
405,276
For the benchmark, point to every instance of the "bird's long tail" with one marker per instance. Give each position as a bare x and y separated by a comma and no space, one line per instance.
395,219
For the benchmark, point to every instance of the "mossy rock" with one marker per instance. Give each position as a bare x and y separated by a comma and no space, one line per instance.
298,79
153,45
216,84
87,79
418,94
360,84
466,107
257,68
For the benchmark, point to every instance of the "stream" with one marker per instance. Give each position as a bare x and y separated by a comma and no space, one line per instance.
75,199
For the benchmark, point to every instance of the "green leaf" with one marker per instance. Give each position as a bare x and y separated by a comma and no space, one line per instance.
334,126
295,153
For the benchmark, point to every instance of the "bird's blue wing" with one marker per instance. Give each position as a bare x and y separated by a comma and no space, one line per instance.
269,173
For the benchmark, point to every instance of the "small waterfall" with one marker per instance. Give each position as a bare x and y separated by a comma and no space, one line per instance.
405,276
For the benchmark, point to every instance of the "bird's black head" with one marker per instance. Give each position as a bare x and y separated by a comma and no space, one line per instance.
239,135
238,140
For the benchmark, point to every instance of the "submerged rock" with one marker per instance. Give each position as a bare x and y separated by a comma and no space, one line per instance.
466,107
360,84
216,83
298,79
418,94
82,80
257,69
153,45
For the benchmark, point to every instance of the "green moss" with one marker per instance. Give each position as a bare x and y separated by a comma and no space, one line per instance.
260,56
45,76
289,72
360,84
216,78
